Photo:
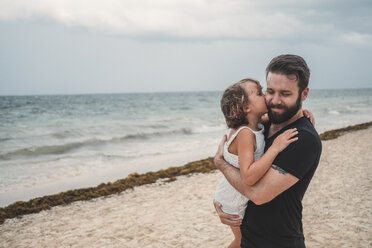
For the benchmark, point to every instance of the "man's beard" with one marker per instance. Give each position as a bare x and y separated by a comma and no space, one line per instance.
288,113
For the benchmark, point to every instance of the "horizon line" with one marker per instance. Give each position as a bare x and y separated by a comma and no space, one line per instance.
154,92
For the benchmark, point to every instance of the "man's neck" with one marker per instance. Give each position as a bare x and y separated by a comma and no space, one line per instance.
276,127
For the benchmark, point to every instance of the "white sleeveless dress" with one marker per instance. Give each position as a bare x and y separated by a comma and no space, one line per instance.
232,201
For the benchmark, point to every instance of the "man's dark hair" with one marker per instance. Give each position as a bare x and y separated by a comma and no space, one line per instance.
291,65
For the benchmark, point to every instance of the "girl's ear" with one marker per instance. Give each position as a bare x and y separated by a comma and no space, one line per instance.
246,108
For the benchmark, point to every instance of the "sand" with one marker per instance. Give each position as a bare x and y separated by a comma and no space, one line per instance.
337,210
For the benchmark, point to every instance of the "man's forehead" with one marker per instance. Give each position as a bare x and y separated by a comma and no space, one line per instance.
282,82
282,87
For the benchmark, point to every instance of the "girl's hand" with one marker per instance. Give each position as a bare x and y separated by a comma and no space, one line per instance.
284,139
264,118
309,116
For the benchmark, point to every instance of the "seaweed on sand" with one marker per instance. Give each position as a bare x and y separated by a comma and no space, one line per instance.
333,134
46,202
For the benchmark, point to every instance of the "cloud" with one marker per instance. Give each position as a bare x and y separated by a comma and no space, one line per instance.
178,18
194,19
357,38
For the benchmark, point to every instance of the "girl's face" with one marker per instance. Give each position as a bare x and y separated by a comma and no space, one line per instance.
256,98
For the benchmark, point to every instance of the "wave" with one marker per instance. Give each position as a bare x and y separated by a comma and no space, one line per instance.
94,142
43,150
75,132
63,134
4,139
208,128
65,148
142,135
333,112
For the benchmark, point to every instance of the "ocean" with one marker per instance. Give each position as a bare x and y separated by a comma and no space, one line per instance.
54,143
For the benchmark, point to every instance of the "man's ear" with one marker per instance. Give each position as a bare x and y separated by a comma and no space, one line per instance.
304,94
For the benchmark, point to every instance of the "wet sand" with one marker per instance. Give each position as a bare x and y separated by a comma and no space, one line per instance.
337,210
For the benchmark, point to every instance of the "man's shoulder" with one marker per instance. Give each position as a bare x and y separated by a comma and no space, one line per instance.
303,154
306,129
308,137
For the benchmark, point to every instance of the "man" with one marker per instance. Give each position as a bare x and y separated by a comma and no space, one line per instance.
273,216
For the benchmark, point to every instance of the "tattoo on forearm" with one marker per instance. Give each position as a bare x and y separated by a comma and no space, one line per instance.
281,171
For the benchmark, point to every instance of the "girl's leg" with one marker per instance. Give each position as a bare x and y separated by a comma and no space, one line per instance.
237,237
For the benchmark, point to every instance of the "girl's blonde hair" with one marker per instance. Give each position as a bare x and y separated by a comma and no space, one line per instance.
232,102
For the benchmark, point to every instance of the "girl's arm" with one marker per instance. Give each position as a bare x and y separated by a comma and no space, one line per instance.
251,171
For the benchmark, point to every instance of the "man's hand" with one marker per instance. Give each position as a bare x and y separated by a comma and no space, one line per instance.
218,158
227,219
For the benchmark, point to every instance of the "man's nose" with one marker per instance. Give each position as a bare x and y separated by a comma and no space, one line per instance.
275,99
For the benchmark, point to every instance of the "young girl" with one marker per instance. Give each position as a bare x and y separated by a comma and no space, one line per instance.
243,105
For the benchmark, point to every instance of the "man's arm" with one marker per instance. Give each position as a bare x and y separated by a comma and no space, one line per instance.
274,182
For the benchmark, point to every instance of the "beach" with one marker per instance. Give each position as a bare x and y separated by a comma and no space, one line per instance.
337,209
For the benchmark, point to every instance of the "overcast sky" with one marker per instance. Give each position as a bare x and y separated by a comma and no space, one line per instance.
115,46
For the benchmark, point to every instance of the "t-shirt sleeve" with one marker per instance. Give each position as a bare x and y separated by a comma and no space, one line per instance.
300,156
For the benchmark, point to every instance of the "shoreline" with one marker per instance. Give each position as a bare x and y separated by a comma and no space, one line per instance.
36,205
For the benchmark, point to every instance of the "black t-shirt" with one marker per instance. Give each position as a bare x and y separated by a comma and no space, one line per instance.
278,223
